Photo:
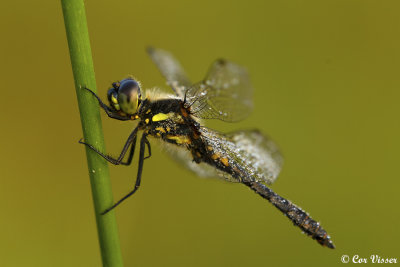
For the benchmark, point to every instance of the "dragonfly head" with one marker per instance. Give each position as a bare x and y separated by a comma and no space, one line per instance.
125,96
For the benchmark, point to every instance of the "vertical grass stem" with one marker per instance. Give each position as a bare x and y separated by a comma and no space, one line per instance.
83,71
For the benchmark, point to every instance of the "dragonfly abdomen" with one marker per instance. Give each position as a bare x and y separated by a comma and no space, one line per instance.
298,216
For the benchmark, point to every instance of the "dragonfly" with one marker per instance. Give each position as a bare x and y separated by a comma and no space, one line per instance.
247,156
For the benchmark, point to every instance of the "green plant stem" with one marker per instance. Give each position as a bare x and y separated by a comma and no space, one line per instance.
82,66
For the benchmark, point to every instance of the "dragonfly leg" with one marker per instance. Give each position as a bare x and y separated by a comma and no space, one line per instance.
143,143
148,148
131,153
109,111
117,161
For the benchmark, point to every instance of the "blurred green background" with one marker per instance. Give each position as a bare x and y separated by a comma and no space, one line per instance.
326,78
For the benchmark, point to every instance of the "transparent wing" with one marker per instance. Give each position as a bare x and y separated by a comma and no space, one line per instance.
250,153
171,70
254,155
184,157
225,94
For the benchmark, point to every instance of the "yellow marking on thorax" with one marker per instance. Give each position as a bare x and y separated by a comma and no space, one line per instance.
148,111
160,117
160,129
179,139
147,120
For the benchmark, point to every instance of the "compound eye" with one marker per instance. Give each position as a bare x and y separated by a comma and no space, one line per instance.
129,96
